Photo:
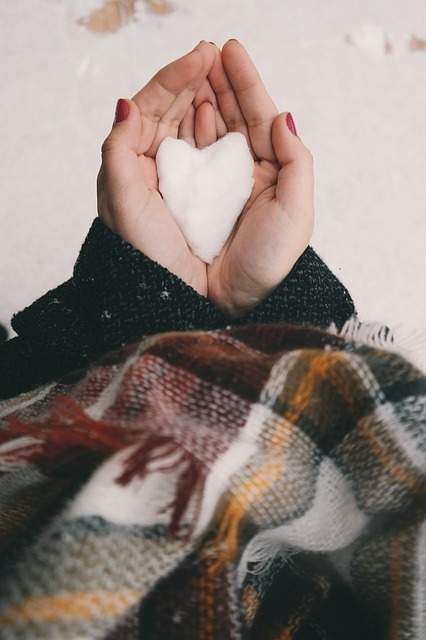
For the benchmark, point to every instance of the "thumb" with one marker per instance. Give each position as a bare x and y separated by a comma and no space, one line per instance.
120,165
295,186
120,187
126,129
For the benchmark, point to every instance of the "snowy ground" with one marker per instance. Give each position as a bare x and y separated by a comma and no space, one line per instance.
352,73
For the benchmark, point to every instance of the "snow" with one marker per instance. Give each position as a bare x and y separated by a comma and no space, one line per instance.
360,112
206,189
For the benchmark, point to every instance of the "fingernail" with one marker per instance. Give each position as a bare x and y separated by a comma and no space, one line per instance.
290,124
121,111
213,43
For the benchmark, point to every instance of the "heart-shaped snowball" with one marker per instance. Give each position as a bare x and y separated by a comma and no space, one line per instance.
206,189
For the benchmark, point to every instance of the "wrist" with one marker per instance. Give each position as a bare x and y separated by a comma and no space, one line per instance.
192,273
233,303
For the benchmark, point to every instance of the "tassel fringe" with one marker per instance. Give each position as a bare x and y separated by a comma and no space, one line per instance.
190,483
408,342
260,554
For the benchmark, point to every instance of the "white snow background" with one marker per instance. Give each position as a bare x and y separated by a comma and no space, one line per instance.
346,71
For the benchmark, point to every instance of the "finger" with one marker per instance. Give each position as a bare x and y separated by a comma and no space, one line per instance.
205,125
295,186
120,162
226,99
159,93
168,123
126,130
206,94
187,127
221,128
257,107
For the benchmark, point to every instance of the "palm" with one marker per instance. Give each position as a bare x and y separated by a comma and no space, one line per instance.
253,226
157,222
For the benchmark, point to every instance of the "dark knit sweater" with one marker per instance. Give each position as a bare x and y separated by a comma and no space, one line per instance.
117,294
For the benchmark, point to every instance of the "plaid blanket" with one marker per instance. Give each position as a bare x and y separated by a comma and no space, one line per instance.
266,481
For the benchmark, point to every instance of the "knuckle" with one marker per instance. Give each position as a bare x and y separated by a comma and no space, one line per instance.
258,121
235,124
307,155
171,121
156,115
108,144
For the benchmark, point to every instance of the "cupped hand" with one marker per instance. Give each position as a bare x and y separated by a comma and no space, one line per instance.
128,198
199,98
276,223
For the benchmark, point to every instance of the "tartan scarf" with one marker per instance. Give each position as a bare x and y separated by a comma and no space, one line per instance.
264,481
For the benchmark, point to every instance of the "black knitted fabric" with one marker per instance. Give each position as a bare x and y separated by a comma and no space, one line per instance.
118,294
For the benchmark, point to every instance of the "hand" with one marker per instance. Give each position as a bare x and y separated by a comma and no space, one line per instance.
276,223
128,198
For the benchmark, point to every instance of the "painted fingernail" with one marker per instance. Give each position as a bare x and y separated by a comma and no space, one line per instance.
121,111
290,124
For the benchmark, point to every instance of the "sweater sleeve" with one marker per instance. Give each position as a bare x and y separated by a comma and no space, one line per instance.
117,294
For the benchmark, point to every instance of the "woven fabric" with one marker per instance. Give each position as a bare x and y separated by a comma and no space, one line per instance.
118,294
264,482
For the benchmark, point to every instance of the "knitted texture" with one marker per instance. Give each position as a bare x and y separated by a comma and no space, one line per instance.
117,294
262,482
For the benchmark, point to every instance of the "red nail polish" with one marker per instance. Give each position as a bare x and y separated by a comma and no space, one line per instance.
290,124
121,111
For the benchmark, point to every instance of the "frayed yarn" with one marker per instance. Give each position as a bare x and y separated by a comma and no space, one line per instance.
260,554
408,342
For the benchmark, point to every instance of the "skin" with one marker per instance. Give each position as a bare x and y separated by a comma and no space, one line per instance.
199,98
